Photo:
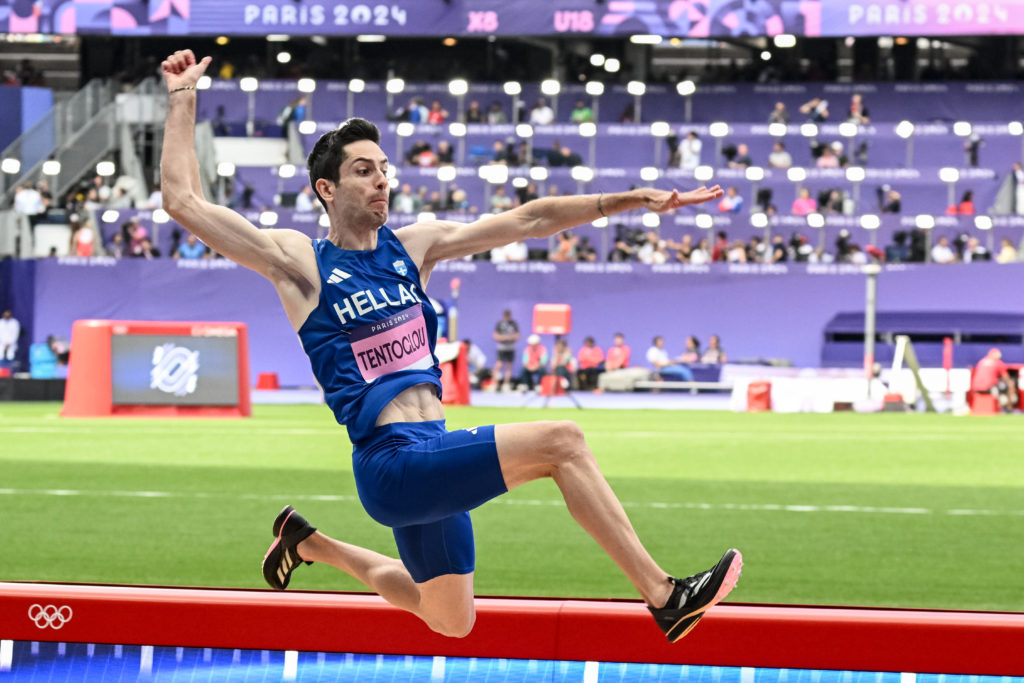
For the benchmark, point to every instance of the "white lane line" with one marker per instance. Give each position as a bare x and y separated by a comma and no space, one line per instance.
532,502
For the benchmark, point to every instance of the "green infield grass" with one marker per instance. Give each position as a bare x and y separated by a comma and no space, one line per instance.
891,510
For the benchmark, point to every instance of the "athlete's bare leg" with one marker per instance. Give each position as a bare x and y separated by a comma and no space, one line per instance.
445,603
558,450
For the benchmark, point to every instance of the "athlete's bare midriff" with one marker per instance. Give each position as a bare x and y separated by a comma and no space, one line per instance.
418,403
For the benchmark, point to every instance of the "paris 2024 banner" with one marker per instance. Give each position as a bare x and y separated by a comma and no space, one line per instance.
668,18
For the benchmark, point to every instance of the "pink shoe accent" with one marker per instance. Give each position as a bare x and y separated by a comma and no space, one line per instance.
731,577
277,540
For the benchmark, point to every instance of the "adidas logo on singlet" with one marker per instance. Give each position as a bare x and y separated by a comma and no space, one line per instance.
337,276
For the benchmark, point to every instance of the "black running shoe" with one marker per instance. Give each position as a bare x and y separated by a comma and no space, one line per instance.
693,596
290,529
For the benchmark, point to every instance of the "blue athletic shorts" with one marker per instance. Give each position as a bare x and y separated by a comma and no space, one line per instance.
421,480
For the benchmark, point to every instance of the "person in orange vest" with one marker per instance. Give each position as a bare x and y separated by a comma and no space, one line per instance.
535,360
591,364
991,376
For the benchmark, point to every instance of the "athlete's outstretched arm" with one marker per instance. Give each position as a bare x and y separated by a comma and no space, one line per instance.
220,228
440,240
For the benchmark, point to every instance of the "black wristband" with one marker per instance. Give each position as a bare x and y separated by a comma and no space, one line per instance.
184,87
599,209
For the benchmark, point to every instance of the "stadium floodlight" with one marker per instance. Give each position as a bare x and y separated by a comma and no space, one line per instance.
520,182
307,127
718,129
496,174
949,174
283,57
110,216
424,216
405,129
636,88
392,172
649,174
796,174
766,56
848,129
650,220
686,88
446,174
815,220
524,130
371,38
645,39
160,216
870,221
759,219
905,129
660,129
458,86
601,222
225,169
785,41
597,59
588,129
924,221
703,173
105,169
324,221
983,222
356,85
457,129
51,167
1015,128
809,130
550,87
704,221
286,171
582,174
754,174
513,88
268,218
204,82
278,38
963,128
394,183
538,173
777,130
612,65
395,85
594,88
306,85
249,84
855,174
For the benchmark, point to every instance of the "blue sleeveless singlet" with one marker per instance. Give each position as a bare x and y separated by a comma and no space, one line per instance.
373,332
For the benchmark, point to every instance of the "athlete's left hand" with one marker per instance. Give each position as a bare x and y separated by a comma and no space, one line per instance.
661,201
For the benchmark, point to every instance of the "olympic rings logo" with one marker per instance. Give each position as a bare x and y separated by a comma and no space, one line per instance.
49,616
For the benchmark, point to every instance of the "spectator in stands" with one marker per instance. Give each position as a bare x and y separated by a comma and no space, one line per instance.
973,147
800,248
1007,252
28,202
506,334
830,202
590,359
721,248
653,249
779,114
437,114
701,255
966,205
858,113
889,200
667,368
404,201
585,251
621,251
684,248
156,198
220,124
816,110
581,113
83,238
942,252
779,156
778,249
500,201
689,151
804,203
146,250
526,193
533,362
618,353
737,252
714,353
10,332
732,202
474,114
542,114
115,247
973,251
563,365
565,249
294,111
742,158
496,114
499,153
898,251
445,153
119,199
691,354
192,249
515,252
991,376
304,200
828,158
477,362
756,250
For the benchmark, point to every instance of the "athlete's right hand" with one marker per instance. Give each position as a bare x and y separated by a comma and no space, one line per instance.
181,69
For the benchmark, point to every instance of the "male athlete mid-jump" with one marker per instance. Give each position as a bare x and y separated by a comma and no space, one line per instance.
357,300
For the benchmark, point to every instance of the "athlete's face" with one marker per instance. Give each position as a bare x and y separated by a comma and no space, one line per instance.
361,195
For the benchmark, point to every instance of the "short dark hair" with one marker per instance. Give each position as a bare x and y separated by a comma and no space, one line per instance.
329,151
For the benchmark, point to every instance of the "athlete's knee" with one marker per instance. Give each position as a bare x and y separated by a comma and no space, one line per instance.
456,625
566,442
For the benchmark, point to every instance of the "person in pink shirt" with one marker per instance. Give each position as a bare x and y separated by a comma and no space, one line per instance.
590,358
991,376
804,203
618,354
